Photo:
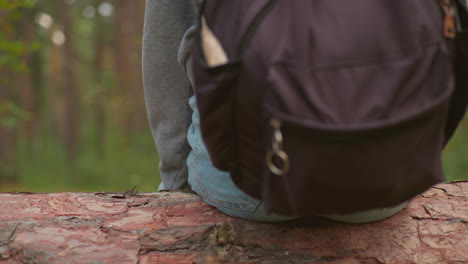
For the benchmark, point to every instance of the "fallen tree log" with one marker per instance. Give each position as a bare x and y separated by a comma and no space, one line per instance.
175,227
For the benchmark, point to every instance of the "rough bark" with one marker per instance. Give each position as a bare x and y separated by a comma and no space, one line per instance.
177,227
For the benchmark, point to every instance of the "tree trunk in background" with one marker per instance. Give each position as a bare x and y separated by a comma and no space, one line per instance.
72,96
37,75
26,83
37,85
122,56
8,155
54,97
138,111
98,69
129,27
8,128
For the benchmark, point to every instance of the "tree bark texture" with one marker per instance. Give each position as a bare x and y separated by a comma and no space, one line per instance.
176,227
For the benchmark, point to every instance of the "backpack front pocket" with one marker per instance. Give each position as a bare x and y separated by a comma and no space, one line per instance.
356,137
339,172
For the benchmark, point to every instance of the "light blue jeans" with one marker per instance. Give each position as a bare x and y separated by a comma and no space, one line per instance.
217,189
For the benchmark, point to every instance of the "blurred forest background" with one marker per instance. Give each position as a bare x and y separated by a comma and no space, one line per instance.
72,114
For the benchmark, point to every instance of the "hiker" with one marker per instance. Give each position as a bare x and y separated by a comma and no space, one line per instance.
185,163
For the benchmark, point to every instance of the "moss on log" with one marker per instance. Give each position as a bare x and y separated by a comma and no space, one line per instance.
176,227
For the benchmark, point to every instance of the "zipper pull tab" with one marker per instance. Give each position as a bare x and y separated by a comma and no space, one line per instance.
450,23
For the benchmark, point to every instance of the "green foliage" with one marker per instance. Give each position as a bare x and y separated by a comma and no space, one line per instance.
118,168
11,114
12,51
12,5
455,156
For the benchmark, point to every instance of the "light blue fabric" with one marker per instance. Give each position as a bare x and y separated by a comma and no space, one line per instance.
217,189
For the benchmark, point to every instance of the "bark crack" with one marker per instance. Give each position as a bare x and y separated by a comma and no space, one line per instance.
428,211
443,190
418,225
9,239
5,251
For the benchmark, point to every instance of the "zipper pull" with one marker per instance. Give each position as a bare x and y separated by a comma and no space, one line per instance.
450,23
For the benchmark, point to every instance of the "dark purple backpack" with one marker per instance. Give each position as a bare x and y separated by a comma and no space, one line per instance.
327,106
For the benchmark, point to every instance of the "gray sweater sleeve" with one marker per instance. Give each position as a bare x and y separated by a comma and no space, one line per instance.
167,87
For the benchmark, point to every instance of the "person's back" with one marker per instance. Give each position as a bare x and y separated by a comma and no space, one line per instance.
167,92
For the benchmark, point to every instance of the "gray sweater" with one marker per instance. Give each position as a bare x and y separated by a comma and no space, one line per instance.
167,41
